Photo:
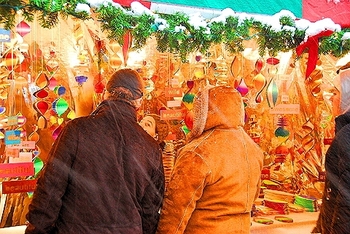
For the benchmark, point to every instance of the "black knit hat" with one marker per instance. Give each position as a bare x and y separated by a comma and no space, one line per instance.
128,79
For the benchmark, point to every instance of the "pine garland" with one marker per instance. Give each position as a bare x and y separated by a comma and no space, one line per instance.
115,22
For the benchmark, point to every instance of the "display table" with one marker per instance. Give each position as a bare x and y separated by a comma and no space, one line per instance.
303,223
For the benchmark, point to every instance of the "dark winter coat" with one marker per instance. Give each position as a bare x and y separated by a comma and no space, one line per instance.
334,215
104,175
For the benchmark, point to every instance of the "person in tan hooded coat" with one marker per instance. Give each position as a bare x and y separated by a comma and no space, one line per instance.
216,176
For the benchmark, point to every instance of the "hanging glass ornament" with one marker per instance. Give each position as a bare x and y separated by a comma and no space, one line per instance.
189,119
185,129
99,86
115,61
60,120
71,114
114,45
259,82
52,64
36,151
281,153
236,67
56,132
83,57
3,93
281,130
81,79
188,98
2,110
21,119
38,165
199,72
60,90
127,43
272,93
42,81
41,107
60,106
259,65
242,88
10,60
34,136
100,45
41,93
53,83
41,122
52,119
273,62
23,28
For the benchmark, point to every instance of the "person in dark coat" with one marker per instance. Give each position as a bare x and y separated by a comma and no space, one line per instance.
104,173
334,217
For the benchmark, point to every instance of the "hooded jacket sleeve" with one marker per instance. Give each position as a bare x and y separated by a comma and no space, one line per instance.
52,183
186,186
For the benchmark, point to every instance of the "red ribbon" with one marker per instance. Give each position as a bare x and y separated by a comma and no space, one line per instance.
312,45
128,36
126,3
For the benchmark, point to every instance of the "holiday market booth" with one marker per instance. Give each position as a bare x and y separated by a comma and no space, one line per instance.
56,58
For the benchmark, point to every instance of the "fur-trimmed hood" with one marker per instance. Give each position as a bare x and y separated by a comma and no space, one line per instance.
220,107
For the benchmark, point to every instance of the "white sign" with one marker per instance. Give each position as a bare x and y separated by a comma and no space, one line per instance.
286,109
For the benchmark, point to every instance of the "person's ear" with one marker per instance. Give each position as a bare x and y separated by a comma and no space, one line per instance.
138,103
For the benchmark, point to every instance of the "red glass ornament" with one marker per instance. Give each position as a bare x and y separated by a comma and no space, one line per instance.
259,64
273,61
99,87
41,93
23,28
190,84
41,107
98,83
10,60
127,43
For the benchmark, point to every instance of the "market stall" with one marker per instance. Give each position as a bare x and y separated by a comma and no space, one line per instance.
56,59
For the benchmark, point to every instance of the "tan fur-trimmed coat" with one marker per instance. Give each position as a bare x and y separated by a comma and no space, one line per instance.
217,174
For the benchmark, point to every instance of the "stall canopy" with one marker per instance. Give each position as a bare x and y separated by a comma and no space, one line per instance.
313,10
268,7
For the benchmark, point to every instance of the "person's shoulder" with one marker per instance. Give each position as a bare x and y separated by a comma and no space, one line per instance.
343,134
80,122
